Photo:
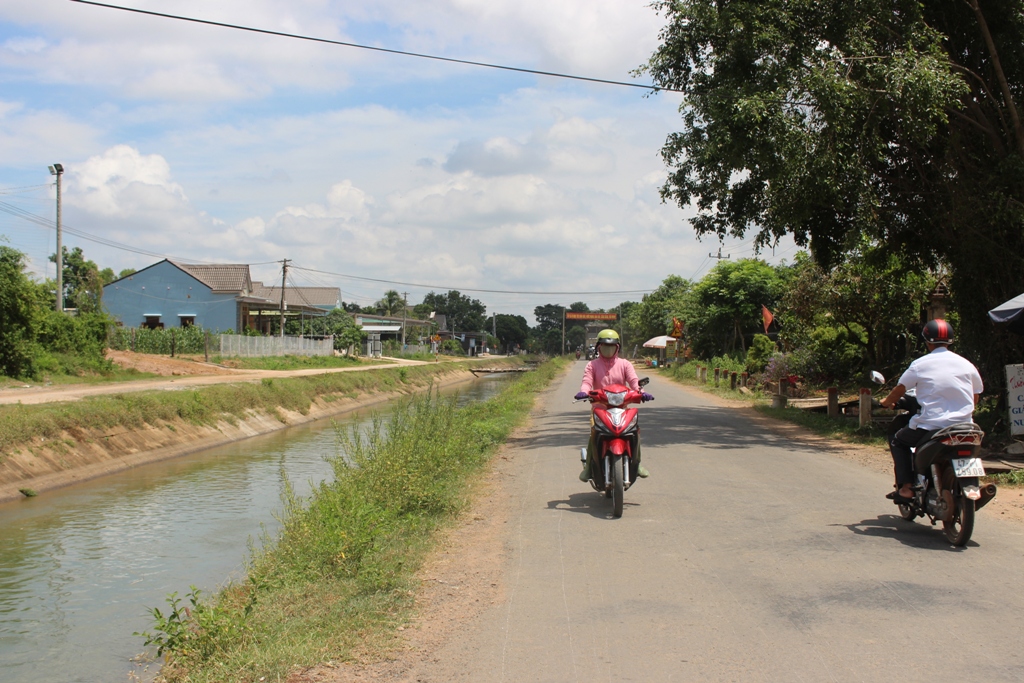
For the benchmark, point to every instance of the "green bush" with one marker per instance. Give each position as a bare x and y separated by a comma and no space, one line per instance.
759,353
187,340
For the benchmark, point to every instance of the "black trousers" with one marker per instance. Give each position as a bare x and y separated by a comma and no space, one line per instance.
902,456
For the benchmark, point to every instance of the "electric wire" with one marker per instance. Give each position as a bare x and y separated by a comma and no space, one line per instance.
44,222
470,289
282,34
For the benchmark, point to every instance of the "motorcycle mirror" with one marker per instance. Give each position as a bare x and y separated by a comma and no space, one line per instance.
877,377
645,381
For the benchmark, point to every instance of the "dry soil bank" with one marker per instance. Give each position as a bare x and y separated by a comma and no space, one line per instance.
82,454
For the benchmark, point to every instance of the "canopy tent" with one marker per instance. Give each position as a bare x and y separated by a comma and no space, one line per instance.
659,342
1010,314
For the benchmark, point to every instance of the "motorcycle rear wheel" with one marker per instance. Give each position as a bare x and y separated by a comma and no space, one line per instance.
617,486
958,530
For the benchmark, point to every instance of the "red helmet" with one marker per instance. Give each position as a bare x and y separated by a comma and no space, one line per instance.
937,332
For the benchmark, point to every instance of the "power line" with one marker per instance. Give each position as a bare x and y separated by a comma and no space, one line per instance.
44,222
297,36
469,289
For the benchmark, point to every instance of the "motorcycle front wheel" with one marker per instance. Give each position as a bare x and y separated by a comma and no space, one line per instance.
959,529
617,485
907,513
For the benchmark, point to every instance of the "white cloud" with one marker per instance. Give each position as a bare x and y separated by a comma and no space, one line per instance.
121,182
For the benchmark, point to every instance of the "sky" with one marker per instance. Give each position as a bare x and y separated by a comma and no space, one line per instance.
208,144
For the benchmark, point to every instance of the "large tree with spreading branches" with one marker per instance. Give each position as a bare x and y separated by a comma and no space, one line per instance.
836,120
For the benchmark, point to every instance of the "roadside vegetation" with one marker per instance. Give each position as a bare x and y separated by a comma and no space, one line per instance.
20,424
338,579
294,362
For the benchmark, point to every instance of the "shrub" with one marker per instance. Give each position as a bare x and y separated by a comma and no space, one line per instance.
759,353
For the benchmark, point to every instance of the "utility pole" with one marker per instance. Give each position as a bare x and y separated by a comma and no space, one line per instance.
494,326
561,351
284,276
405,310
719,257
58,171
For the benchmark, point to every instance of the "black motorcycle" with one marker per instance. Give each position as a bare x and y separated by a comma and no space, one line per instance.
948,464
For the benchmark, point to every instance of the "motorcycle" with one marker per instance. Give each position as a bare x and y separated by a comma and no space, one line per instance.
616,438
948,466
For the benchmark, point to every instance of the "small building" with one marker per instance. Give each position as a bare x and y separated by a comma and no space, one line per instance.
213,296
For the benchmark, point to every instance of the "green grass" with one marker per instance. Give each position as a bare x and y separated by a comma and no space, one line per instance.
20,424
338,579
291,362
65,368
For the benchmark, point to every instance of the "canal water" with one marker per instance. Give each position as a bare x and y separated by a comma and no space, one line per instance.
80,566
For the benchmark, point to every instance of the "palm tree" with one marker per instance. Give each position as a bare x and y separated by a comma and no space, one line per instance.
391,304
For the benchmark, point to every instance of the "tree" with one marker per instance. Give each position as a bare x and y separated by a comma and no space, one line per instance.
512,330
17,315
339,323
723,310
835,119
652,316
83,283
871,295
391,304
549,317
461,312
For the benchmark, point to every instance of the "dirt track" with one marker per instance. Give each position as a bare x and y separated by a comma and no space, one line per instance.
185,373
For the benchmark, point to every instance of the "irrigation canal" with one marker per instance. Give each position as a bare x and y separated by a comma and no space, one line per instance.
80,566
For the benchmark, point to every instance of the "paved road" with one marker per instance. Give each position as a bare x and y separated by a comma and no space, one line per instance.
745,557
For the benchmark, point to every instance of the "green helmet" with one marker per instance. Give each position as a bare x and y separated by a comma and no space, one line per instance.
608,337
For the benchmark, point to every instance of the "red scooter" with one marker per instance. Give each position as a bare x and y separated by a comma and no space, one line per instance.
613,467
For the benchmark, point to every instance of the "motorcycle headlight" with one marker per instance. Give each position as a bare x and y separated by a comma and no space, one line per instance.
615,399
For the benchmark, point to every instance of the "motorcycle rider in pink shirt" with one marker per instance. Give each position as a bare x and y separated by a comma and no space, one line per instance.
607,369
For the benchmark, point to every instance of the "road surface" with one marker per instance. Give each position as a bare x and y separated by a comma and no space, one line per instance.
744,557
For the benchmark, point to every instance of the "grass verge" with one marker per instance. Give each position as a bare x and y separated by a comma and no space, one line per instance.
19,424
291,362
338,578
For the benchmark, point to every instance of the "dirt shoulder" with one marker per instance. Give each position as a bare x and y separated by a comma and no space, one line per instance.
175,374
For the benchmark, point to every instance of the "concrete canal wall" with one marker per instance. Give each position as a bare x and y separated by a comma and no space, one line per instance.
82,454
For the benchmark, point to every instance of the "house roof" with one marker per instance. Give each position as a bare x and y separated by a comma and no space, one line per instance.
220,277
311,296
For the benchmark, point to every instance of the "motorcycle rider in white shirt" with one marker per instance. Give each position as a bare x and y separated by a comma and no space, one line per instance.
947,386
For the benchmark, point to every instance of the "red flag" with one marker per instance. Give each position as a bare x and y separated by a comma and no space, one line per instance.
767,316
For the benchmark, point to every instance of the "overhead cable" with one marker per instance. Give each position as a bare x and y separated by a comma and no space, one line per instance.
470,289
282,34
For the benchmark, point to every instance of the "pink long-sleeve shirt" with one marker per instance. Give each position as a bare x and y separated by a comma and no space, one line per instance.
602,372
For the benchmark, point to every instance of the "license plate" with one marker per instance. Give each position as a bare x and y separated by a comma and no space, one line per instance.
968,467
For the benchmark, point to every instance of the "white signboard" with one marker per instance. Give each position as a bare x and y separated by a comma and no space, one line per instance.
1015,397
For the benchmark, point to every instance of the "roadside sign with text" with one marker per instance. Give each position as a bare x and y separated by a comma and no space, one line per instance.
579,315
1015,397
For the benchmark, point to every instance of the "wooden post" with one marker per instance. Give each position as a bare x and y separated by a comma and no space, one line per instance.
865,407
718,374
704,374
732,381
780,399
172,342
833,402
744,378
133,340
206,345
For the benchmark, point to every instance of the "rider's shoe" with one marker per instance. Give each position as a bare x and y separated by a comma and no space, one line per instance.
585,474
642,472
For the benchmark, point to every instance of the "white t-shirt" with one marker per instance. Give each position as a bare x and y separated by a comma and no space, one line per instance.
945,384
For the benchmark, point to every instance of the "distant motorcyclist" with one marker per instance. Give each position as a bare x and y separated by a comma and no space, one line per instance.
606,369
947,386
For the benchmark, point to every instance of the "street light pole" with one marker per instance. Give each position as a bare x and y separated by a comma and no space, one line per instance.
58,170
